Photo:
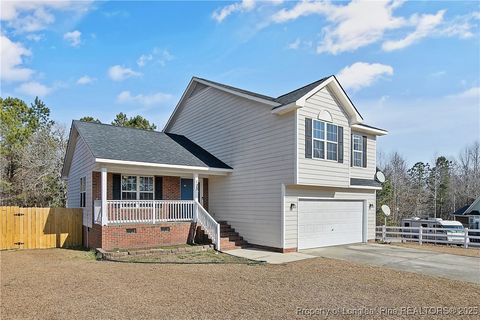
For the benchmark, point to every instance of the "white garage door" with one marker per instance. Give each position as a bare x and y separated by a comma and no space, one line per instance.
329,223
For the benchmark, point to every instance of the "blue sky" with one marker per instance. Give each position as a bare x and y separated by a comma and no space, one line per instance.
412,68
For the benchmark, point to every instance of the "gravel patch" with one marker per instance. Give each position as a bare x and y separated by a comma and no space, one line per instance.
65,284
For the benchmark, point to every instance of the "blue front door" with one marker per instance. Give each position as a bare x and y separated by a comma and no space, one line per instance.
186,189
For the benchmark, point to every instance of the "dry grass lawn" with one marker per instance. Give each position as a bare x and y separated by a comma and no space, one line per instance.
470,252
68,284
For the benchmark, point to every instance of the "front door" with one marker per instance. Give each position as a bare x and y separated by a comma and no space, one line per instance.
186,191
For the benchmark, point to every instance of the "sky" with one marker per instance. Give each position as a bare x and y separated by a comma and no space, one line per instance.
412,68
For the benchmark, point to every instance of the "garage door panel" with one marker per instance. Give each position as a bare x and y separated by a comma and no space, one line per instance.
326,223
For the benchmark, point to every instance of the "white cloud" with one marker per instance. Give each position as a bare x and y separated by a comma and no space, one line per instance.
472,93
295,44
161,56
32,16
351,26
34,88
221,13
424,26
12,56
73,37
144,58
362,74
145,100
119,73
35,37
85,80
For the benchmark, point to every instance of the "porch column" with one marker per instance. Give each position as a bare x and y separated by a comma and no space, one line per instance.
104,196
195,195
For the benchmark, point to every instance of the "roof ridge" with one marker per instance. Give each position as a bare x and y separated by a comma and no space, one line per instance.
236,88
309,84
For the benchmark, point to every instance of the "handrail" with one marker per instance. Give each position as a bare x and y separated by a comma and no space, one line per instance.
149,211
212,227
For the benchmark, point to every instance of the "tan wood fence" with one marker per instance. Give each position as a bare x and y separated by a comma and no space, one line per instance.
35,228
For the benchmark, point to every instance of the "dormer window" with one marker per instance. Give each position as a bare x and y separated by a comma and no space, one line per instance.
325,140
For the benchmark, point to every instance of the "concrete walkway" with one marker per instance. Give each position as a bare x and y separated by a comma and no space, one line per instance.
406,259
269,256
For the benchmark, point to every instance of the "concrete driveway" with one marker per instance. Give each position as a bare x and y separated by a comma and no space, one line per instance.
406,259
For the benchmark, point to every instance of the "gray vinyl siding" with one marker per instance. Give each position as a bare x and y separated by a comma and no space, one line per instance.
324,172
319,171
81,166
369,171
259,145
292,193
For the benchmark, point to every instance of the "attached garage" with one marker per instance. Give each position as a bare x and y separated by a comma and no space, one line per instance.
324,223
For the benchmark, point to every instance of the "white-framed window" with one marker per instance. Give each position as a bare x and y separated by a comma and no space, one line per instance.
83,192
137,188
357,150
325,140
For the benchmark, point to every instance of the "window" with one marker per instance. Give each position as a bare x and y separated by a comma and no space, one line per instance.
146,188
83,192
357,150
325,140
129,187
137,188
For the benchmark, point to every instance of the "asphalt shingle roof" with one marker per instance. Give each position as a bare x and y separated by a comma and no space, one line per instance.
129,144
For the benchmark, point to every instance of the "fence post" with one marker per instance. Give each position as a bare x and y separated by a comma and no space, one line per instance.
420,234
465,240
384,233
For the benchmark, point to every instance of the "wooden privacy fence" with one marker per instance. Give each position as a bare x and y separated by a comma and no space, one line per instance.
35,228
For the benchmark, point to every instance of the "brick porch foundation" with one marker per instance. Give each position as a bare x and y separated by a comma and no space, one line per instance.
139,235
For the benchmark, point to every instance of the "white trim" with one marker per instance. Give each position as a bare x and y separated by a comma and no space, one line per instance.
364,187
295,172
161,165
137,191
472,205
339,92
324,140
377,132
282,220
285,108
103,179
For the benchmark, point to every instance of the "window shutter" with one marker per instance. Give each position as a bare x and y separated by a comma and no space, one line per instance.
364,151
351,150
158,188
308,138
116,186
340,144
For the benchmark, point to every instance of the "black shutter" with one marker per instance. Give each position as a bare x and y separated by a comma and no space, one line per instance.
308,138
340,144
364,151
351,150
158,188
116,186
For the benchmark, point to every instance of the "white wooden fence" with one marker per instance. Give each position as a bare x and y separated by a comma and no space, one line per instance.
466,238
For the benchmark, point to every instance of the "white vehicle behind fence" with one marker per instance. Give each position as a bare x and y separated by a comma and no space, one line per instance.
447,231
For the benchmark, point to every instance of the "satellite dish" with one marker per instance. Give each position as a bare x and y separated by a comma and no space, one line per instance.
380,176
386,210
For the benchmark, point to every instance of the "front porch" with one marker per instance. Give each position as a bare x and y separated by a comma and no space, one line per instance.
144,207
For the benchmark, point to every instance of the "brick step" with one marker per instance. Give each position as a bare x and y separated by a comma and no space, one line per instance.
228,233
231,238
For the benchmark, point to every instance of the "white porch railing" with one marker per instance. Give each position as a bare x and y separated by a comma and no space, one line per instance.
211,227
466,237
155,211
149,211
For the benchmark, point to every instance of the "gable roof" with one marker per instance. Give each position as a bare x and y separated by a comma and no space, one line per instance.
284,103
137,145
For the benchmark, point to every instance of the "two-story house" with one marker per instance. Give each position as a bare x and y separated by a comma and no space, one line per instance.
285,173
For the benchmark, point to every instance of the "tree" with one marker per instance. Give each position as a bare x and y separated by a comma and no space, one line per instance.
90,119
121,120
438,184
418,176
